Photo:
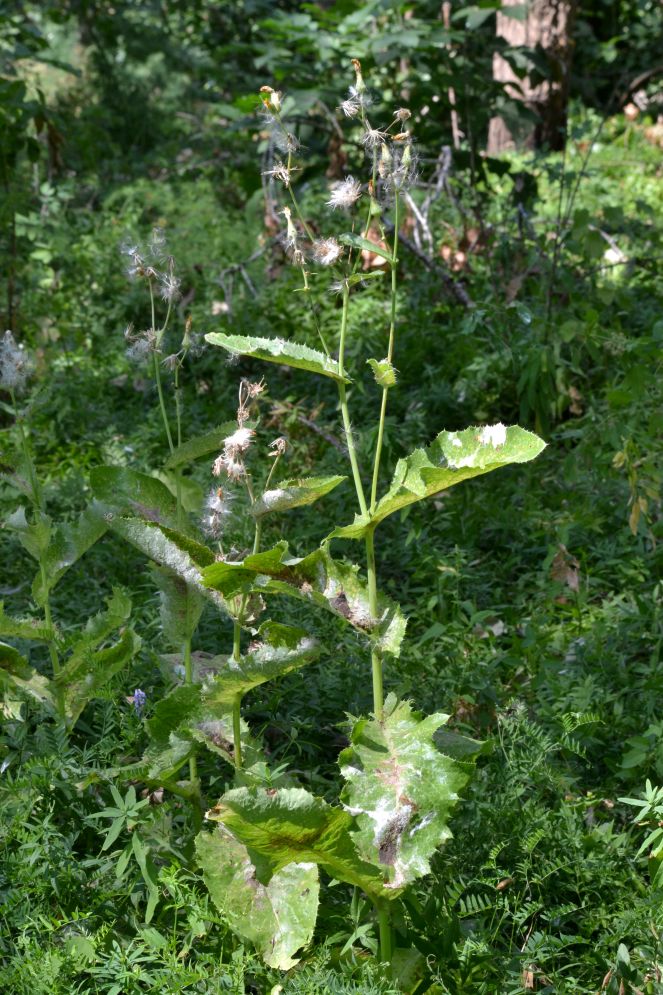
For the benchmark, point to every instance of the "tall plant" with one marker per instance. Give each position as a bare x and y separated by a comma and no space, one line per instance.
399,788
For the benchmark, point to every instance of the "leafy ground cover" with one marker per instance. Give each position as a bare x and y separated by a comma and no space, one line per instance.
533,601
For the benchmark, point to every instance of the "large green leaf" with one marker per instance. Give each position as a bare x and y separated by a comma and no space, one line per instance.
201,445
279,351
34,535
288,825
97,628
69,542
16,674
168,548
277,918
319,578
130,493
401,790
450,459
294,494
181,606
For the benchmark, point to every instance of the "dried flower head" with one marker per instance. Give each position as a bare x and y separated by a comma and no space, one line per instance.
352,105
157,244
279,446
326,251
140,345
238,442
345,194
280,172
373,138
170,287
402,114
15,364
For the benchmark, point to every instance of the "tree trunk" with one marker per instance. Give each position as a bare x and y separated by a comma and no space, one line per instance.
548,27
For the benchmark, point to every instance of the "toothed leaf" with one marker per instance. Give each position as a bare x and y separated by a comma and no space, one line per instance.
319,578
288,825
300,357
181,606
452,458
16,674
201,445
68,543
400,789
130,493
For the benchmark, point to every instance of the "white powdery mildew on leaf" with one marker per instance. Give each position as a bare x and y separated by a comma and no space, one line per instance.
400,789
494,435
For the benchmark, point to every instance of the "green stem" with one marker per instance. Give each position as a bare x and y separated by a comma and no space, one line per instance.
237,703
344,405
390,353
385,933
188,679
162,403
376,655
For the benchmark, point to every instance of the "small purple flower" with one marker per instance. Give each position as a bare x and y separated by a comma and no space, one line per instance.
140,698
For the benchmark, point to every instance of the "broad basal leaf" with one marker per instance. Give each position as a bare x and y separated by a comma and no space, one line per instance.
279,351
294,494
452,458
277,918
319,578
201,445
400,789
16,674
68,543
288,825
130,493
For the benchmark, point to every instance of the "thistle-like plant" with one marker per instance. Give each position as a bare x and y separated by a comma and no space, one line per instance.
82,663
399,788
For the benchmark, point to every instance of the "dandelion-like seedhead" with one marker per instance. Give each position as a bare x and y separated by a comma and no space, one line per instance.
140,345
16,364
216,512
326,251
345,194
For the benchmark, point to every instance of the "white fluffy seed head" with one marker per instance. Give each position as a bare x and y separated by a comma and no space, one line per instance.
326,251
15,364
345,194
238,442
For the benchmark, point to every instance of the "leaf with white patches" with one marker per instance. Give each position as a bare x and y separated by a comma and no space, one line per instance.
400,789
318,577
450,459
301,357
277,916
294,494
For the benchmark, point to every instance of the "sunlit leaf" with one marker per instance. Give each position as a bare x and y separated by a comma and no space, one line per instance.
130,493
278,918
181,606
294,494
452,458
300,357
401,790
288,825
357,242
